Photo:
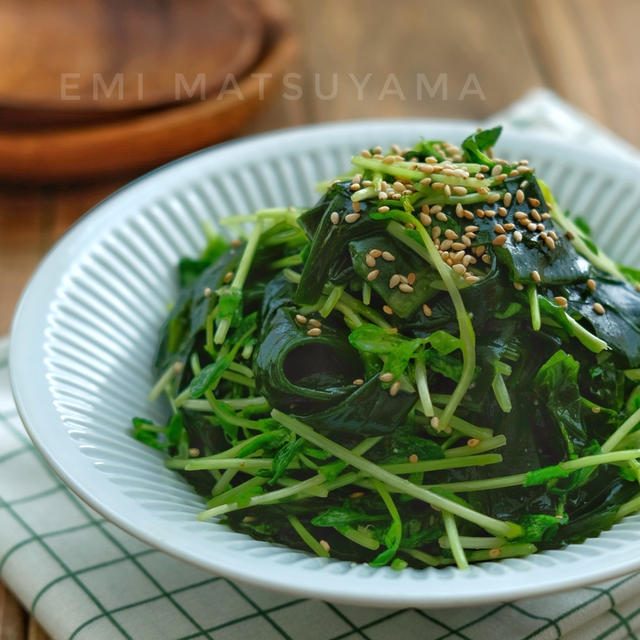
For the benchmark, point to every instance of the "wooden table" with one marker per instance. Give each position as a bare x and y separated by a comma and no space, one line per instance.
365,59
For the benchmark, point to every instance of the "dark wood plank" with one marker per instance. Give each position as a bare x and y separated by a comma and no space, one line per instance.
12,617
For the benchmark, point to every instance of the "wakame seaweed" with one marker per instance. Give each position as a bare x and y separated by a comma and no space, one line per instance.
433,365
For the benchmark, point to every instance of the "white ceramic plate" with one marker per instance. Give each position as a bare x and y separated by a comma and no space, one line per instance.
85,330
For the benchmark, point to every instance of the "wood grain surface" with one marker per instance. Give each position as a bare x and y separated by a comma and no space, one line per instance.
585,50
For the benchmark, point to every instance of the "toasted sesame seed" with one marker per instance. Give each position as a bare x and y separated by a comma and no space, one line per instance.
315,323
447,190
468,259
398,186
372,275
479,176
370,260
207,292
351,217
536,276
517,236
388,256
532,226
534,202
354,187
471,227
365,153
518,286
426,309
435,422
437,185
550,242
375,253
479,250
486,259
325,545
553,234
546,216
388,160
498,240
386,377
356,206
494,553
435,208
520,215
405,288
598,308
383,209
451,234
490,213
459,190
394,281
535,215
413,458
394,388
446,244
228,277
591,284
194,452
387,309
501,178
466,240
358,382
425,219
507,199
498,228
493,198
509,226
497,170
471,279
502,212
459,268
473,442
459,210
561,301
519,196
480,213
425,181
441,216
459,248
356,494
468,214
315,331
382,195
335,217
236,242
513,173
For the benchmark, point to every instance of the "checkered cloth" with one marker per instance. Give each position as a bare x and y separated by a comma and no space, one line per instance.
85,579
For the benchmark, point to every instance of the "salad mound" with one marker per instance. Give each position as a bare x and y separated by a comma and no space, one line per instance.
433,365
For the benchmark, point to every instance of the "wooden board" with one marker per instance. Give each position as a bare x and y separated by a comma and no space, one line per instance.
86,58
150,138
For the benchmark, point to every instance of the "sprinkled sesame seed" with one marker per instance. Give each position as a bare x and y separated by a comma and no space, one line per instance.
451,234
536,276
356,206
178,366
356,494
383,209
471,227
394,281
370,261
365,153
413,458
466,239
358,382
598,308
435,422
486,259
468,214
431,160
518,286
473,442
388,256
441,216
507,199
372,275
236,242
517,236
386,377
501,178
513,173
207,292
520,215
471,279
498,228
509,226
534,202
315,323
228,277
591,284
425,219
535,215
411,278
382,195
426,309
426,168
459,210
532,226
561,301
375,253
447,190
315,331
493,198
405,288
194,452
446,244
335,217
459,268
499,240
354,187
387,309
546,216
595,409
425,181
480,213
519,196
325,545
502,212
494,553
435,208
388,160
553,234
550,242
351,217
394,388
459,190
497,169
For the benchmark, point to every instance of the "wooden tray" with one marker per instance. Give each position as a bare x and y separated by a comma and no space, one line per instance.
137,142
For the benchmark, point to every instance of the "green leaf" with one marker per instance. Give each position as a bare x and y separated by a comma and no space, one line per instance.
540,527
283,458
475,145
542,476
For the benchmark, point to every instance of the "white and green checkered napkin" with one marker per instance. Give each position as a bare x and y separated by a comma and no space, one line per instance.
86,579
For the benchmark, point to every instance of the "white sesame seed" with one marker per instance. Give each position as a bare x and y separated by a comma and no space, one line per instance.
598,308
388,256
497,169
447,190
561,301
507,199
517,236
532,226
591,284
335,217
426,309
518,286
441,216
383,209
459,190
519,196
372,275
387,309
370,261
405,288
313,322
325,545
498,228
386,377
394,388
534,202
207,292
450,233
550,242
425,219
382,195
375,253
315,331
498,240
394,281
536,276
459,268
358,382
